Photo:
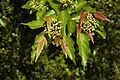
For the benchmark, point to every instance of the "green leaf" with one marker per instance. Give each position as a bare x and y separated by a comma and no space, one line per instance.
84,50
70,48
71,26
40,14
76,16
80,5
27,5
54,6
50,12
34,45
35,24
101,32
90,9
101,28
64,17
33,55
3,23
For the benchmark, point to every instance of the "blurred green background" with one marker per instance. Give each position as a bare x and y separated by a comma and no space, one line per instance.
16,40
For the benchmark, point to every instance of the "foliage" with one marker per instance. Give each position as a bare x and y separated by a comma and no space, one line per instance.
58,21
16,40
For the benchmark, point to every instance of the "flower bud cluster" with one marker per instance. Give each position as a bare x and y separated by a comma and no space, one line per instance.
55,29
37,5
67,3
90,23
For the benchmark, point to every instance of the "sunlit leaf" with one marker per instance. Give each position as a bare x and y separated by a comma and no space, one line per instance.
84,50
41,42
3,23
35,24
64,17
100,16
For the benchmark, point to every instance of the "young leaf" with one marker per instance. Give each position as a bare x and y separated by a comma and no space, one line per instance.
49,21
57,39
82,17
79,26
64,17
78,29
39,35
35,24
64,45
90,35
40,45
84,50
100,16
34,46
67,45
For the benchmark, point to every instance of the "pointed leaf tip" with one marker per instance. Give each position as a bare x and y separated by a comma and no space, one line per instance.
100,16
40,45
64,47
90,35
67,45
84,50
78,29
79,25
82,17
49,21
